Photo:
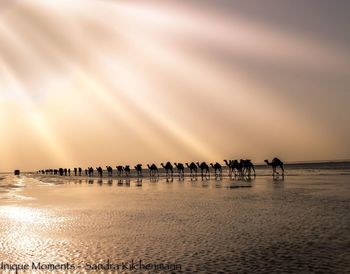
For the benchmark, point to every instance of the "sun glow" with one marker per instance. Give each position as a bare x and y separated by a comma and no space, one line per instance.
115,81
21,214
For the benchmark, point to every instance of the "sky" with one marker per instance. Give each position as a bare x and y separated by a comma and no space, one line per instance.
109,82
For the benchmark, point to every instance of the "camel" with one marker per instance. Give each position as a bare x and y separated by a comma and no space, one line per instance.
138,169
153,169
91,171
193,168
79,171
237,167
217,168
180,168
168,168
204,167
99,171
109,170
230,166
120,170
247,167
75,171
127,170
275,163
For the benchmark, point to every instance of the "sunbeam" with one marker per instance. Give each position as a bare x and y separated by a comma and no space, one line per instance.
117,81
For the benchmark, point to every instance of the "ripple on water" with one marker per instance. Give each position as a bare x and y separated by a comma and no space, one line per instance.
258,229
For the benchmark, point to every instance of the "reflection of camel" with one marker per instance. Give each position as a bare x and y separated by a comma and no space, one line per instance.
180,168
138,169
217,168
168,168
153,169
193,168
275,163
120,170
204,167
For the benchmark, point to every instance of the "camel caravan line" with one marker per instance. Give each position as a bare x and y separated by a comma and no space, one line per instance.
241,168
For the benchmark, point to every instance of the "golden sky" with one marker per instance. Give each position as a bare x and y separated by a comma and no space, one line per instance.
96,82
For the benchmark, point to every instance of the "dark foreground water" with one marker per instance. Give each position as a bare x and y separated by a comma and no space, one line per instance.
297,225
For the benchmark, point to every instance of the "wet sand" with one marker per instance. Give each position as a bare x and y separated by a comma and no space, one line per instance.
299,225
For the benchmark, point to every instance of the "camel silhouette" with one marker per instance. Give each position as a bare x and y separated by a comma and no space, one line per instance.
120,170
153,170
193,168
75,171
138,169
204,167
91,171
275,163
217,168
99,171
180,168
79,171
168,168
247,167
109,170
229,165
237,167
127,170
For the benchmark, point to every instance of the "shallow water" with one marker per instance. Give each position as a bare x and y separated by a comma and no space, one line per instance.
297,225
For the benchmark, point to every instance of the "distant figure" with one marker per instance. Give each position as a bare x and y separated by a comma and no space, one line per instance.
17,172
127,170
109,170
99,171
193,168
230,166
217,168
153,170
138,169
204,167
75,171
180,168
79,171
168,168
68,171
65,172
247,167
120,170
91,171
86,172
275,163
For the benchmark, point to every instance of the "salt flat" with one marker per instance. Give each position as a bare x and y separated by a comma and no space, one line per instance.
297,225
